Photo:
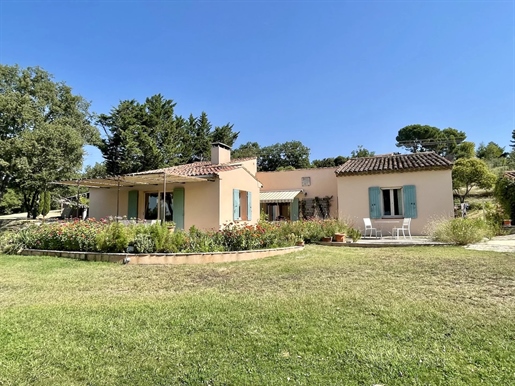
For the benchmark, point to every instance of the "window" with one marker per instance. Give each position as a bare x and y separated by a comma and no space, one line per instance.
242,205
392,201
155,205
306,181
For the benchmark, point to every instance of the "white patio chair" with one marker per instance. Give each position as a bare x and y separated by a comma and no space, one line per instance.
369,227
406,224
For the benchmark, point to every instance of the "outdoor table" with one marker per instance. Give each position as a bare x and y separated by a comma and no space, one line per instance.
386,223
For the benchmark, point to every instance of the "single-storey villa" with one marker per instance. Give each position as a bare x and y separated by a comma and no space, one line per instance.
391,187
206,194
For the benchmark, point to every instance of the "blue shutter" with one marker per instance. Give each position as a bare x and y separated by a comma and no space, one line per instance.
409,194
132,210
178,207
374,200
235,204
295,209
249,206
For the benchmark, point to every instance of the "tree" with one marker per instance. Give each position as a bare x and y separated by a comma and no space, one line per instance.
323,163
465,150
44,203
490,151
504,192
512,141
468,173
417,138
142,136
98,170
224,134
249,149
42,156
33,109
292,153
361,152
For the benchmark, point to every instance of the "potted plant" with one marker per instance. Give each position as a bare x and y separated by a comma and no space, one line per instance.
339,237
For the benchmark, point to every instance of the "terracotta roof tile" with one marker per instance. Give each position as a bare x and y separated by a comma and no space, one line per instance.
202,168
392,163
510,174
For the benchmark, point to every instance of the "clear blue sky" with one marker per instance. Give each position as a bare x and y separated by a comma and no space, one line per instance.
331,74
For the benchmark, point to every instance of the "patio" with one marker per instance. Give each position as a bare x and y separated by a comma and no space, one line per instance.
388,241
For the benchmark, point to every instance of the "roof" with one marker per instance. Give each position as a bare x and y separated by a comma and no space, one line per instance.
510,174
194,172
394,163
203,168
279,196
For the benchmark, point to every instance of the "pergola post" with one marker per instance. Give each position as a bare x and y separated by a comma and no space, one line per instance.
164,198
118,199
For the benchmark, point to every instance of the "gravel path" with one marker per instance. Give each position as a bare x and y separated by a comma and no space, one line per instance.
497,244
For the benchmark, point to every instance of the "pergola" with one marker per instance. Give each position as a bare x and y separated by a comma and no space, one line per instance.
135,179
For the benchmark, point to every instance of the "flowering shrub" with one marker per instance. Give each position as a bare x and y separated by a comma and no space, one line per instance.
111,236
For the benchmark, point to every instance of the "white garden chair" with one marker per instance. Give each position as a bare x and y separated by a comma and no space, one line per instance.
371,229
406,224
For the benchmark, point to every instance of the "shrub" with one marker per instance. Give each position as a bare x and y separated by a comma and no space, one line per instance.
113,238
460,231
143,243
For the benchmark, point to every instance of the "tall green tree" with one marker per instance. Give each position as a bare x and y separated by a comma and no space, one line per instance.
490,151
281,155
469,173
417,138
224,134
41,156
33,109
142,137
249,149
465,149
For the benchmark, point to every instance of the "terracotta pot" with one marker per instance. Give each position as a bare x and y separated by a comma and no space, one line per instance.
327,239
339,237
507,223
299,243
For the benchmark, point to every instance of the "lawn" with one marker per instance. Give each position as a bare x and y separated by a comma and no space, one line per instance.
323,316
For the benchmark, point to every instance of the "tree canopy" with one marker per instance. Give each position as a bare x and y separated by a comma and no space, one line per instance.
469,173
416,138
281,155
149,135
43,128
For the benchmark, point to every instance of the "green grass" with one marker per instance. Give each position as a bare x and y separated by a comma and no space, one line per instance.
324,316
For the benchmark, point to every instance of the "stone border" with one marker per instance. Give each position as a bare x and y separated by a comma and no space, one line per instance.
166,258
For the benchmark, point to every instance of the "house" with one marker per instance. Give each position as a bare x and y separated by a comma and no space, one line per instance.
206,194
300,193
391,187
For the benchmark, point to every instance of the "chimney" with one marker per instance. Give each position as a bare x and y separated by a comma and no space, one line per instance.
220,153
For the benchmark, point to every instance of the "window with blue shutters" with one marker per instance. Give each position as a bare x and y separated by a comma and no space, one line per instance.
241,205
392,202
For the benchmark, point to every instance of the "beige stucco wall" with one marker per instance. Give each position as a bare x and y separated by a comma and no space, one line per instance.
207,205
323,183
200,202
237,179
250,165
433,193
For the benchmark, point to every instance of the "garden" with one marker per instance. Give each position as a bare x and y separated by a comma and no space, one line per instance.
111,236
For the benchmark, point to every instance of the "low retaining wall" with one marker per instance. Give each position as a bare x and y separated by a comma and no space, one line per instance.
166,258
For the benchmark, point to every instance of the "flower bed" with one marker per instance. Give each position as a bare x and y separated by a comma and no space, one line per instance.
107,236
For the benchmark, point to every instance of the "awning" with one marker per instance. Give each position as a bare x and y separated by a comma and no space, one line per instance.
279,196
